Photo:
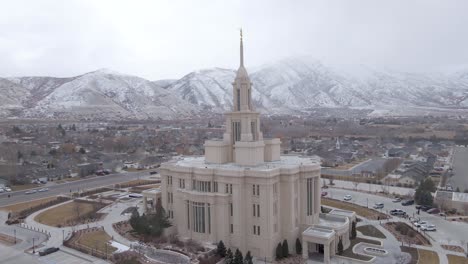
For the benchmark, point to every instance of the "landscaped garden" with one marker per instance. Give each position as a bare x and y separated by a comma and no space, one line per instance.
93,241
428,257
349,251
454,259
360,210
369,230
406,234
72,213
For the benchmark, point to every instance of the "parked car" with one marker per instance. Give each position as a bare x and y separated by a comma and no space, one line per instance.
426,207
153,172
8,189
30,192
428,227
407,202
433,211
396,200
48,251
397,212
43,190
378,206
324,194
421,223
347,197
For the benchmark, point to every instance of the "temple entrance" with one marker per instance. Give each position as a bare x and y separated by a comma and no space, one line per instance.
316,252
319,248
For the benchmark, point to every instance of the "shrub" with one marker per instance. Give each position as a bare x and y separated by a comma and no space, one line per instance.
298,246
279,251
221,249
285,249
340,247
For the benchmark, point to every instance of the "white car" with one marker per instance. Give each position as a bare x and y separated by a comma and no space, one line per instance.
378,205
8,189
43,190
428,227
347,197
30,192
421,223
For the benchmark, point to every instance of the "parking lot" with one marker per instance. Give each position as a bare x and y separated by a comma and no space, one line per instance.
447,231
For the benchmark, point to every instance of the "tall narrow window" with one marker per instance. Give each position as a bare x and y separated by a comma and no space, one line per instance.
231,209
253,205
236,130
232,228
209,219
253,189
253,128
230,188
258,189
238,99
258,230
309,196
258,210
188,214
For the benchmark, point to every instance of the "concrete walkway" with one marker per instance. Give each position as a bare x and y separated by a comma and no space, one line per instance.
113,215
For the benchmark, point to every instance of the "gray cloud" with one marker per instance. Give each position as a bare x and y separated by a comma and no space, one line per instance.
167,39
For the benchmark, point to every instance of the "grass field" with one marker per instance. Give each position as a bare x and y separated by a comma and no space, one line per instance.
413,252
66,214
24,187
372,231
360,210
428,257
454,259
14,208
96,240
349,251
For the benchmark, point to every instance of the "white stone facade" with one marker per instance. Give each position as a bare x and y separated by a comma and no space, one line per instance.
242,191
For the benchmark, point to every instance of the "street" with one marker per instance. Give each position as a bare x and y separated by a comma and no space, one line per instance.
460,169
64,188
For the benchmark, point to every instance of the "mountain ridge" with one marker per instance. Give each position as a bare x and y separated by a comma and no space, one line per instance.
288,86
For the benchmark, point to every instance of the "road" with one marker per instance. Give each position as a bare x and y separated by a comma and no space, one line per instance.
64,188
447,231
460,168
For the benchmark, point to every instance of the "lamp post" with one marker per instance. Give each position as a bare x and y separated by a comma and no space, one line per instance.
33,245
14,231
63,235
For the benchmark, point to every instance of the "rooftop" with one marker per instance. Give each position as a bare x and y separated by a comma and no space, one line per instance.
320,232
284,162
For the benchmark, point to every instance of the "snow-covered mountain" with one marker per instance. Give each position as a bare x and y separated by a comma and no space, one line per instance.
288,86
101,95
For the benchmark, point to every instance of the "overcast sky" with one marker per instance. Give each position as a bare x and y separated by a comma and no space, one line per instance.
167,39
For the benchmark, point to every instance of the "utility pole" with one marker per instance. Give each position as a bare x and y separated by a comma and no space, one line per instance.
33,245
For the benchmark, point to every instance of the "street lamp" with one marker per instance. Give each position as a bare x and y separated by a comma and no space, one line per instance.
33,245
14,231
63,235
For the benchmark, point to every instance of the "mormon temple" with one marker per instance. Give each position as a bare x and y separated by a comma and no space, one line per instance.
246,194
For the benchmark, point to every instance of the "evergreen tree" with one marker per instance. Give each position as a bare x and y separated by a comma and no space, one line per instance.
82,151
340,247
285,249
423,192
353,230
248,258
134,220
73,127
238,258
221,250
229,257
298,246
279,251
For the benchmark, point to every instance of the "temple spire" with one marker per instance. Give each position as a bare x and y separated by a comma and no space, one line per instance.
241,49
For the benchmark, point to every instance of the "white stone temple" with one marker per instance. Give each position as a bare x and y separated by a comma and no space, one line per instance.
246,194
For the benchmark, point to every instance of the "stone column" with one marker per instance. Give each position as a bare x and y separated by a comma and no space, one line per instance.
326,253
305,249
